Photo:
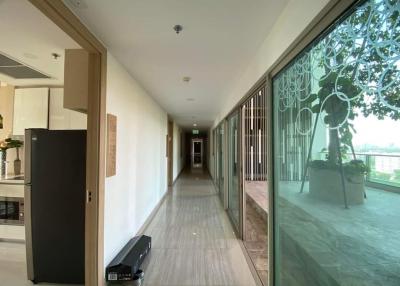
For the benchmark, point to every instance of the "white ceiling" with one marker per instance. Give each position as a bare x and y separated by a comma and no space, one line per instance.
29,37
217,43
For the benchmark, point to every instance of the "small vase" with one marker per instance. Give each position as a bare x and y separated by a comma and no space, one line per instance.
3,161
17,167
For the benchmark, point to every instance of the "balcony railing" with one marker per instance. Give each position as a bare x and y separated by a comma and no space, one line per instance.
384,169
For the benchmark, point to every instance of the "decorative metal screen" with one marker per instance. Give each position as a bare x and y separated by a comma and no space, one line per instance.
255,130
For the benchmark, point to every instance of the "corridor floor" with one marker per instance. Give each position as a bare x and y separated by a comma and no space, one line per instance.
193,241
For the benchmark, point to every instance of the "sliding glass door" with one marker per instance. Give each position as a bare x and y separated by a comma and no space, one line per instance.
255,193
336,129
234,198
215,153
221,161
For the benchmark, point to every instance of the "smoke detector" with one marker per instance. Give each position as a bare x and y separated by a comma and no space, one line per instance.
55,56
186,78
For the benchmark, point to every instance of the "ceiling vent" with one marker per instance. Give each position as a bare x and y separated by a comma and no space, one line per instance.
17,70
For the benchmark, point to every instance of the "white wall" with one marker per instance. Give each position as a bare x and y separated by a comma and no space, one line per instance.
292,21
178,156
141,179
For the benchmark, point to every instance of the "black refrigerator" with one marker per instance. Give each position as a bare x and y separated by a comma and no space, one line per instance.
55,180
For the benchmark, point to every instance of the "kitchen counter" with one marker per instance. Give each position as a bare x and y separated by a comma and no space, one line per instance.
12,180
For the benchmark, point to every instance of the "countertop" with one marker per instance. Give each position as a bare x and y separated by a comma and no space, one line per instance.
12,180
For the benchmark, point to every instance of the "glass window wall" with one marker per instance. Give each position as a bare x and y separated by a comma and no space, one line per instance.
234,209
337,154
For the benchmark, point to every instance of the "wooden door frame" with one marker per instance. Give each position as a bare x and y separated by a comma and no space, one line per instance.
170,153
60,14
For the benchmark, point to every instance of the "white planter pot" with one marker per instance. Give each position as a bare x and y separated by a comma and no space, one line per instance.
327,185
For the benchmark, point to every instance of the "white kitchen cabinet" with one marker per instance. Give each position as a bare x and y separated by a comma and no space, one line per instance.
30,109
12,190
61,118
12,232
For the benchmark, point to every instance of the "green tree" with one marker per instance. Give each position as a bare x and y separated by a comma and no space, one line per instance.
361,63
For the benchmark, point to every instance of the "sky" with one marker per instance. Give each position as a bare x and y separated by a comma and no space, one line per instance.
372,131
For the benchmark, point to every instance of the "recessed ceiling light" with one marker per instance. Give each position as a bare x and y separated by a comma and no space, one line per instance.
186,78
190,99
194,124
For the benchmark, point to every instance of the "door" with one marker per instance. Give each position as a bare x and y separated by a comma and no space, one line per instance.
221,162
197,153
234,181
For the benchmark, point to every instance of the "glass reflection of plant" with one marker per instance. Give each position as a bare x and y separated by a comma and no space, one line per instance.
360,63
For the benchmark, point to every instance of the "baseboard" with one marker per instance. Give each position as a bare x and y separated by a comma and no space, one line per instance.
152,215
177,177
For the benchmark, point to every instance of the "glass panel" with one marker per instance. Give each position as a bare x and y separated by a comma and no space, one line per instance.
221,150
215,139
336,129
384,169
233,170
197,152
197,147
255,182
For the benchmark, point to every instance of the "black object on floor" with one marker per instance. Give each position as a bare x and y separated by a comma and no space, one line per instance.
125,265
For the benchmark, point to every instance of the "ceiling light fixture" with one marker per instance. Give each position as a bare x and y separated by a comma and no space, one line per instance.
186,78
178,28
194,125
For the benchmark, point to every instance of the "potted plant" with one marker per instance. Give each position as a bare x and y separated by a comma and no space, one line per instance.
357,78
10,143
326,182
332,179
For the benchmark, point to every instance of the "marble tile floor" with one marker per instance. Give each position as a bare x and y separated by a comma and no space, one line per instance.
355,246
13,265
193,241
258,191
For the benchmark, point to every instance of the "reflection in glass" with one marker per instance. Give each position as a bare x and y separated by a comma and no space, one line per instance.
233,170
221,148
255,200
336,201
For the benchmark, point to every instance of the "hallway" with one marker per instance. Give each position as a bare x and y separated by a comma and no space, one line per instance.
193,241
